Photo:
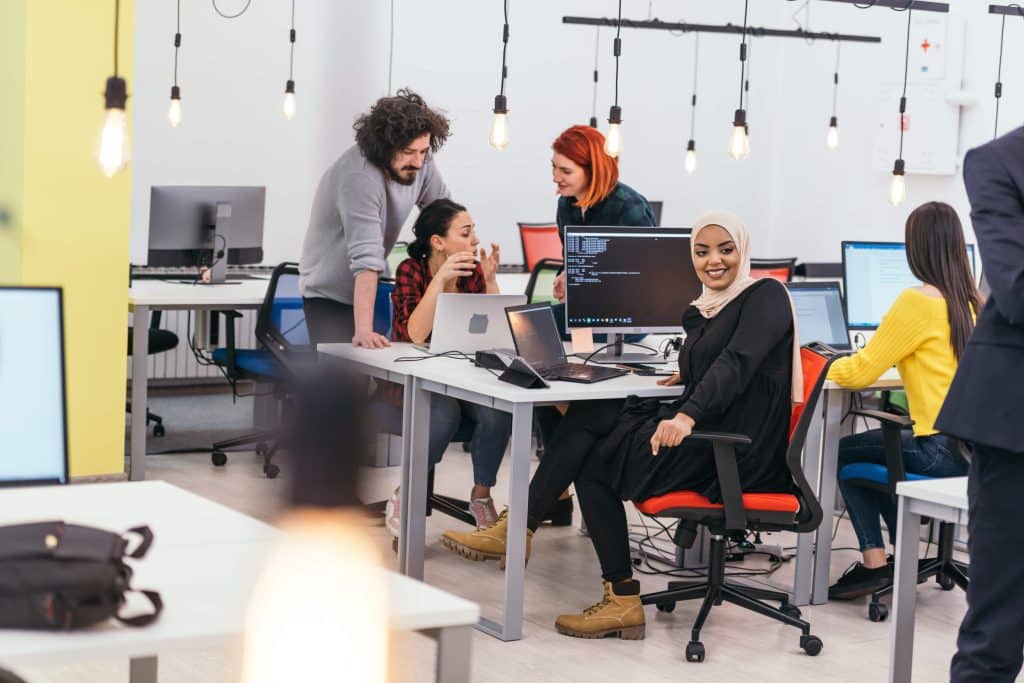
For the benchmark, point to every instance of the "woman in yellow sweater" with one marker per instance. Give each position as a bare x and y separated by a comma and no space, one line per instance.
923,335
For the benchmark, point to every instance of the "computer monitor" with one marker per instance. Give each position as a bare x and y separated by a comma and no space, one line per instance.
33,418
874,274
819,313
628,280
206,226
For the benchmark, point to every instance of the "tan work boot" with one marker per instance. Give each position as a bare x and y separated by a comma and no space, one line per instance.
615,615
483,544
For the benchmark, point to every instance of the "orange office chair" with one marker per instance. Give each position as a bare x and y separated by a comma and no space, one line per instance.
796,509
540,241
779,268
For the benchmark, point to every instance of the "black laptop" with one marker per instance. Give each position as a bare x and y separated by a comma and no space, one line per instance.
536,339
820,314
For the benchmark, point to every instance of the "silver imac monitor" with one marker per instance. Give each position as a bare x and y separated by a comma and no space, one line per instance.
628,280
33,417
206,226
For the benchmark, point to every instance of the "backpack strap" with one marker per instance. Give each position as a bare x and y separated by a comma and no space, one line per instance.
147,540
144,619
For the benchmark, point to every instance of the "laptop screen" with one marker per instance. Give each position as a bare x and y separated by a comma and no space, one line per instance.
32,386
536,335
819,313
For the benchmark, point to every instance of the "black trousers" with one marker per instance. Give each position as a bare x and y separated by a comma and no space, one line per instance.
328,320
567,460
990,646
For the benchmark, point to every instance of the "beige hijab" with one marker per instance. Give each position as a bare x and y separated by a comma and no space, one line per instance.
711,302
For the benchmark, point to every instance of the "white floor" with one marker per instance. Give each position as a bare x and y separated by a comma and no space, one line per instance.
563,576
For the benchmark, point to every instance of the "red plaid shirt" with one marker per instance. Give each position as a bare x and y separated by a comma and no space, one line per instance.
412,277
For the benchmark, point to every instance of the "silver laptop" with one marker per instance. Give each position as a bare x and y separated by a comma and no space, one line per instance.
471,322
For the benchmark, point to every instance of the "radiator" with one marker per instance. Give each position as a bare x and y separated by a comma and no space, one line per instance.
179,365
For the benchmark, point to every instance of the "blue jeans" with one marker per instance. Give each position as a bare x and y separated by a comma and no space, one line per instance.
931,456
451,419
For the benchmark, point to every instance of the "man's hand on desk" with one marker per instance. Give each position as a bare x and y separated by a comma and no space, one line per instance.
370,340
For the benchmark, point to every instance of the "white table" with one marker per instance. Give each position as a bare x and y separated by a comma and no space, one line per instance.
204,560
821,458
941,499
145,296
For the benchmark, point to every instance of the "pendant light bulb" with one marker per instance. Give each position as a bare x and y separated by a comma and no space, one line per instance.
289,100
174,111
613,138
112,153
499,125
739,145
832,139
898,185
690,162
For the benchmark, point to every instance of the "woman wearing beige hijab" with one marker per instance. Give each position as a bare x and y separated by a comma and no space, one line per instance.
737,367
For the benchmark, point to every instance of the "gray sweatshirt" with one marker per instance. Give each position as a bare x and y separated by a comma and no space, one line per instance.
358,211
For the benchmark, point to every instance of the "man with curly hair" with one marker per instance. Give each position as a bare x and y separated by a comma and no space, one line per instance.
359,208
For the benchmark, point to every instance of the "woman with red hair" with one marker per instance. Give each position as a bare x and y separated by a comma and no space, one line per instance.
589,191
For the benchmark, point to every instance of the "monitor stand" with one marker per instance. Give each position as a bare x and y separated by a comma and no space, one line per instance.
218,234
614,355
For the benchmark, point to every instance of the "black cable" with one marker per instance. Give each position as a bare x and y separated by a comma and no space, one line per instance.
232,16
597,48
391,45
693,99
906,71
999,77
504,51
743,51
835,82
291,37
177,44
117,31
618,52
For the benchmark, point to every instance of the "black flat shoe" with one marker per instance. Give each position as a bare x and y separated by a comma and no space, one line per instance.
560,513
858,581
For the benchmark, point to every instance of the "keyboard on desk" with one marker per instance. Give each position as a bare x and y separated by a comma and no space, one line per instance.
577,372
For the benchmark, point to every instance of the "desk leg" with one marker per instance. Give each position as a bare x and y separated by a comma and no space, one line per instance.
403,481
414,512
833,410
454,644
804,574
904,597
140,370
511,627
142,670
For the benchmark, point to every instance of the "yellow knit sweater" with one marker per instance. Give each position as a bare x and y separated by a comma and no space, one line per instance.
913,336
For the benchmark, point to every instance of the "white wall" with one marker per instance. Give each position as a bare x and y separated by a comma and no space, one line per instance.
798,198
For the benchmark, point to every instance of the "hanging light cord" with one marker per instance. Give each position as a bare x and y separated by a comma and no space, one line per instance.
835,81
750,69
391,45
235,15
291,37
117,31
504,51
597,54
906,71
693,99
999,77
618,52
177,44
743,51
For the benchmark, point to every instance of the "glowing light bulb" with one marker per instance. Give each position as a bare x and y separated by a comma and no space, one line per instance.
613,138
323,559
739,145
112,152
289,100
898,185
499,125
832,139
174,111
690,162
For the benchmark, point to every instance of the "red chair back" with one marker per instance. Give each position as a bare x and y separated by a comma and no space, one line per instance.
540,241
813,365
780,269
780,274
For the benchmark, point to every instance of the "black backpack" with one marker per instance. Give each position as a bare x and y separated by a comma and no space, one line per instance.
61,576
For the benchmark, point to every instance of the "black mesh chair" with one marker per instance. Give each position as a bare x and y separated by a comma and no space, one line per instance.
159,341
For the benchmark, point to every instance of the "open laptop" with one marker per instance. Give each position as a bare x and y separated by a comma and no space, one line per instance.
33,418
820,314
471,322
536,339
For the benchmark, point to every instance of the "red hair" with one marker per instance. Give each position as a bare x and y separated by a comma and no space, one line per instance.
584,146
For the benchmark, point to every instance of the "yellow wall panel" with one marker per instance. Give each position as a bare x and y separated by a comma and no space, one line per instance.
12,118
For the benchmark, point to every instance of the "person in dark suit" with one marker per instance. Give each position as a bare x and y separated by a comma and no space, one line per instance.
985,407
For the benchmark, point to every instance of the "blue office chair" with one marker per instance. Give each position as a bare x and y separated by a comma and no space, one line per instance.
947,571
281,331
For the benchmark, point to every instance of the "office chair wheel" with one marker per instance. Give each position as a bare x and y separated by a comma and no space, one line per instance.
219,458
465,447
878,612
695,651
945,581
271,470
666,607
158,430
791,611
811,645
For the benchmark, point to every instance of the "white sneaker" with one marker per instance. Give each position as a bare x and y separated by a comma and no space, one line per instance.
483,512
393,514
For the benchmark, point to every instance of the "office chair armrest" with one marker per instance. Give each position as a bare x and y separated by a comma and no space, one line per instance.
229,337
892,425
724,445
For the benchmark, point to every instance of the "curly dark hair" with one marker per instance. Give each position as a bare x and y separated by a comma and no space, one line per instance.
394,122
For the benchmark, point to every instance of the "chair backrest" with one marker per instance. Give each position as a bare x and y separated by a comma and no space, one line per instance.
656,210
540,241
780,269
542,279
815,360
281,321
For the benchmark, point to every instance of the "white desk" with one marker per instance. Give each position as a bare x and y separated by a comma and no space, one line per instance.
145,296
821,458
941,499
204,560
